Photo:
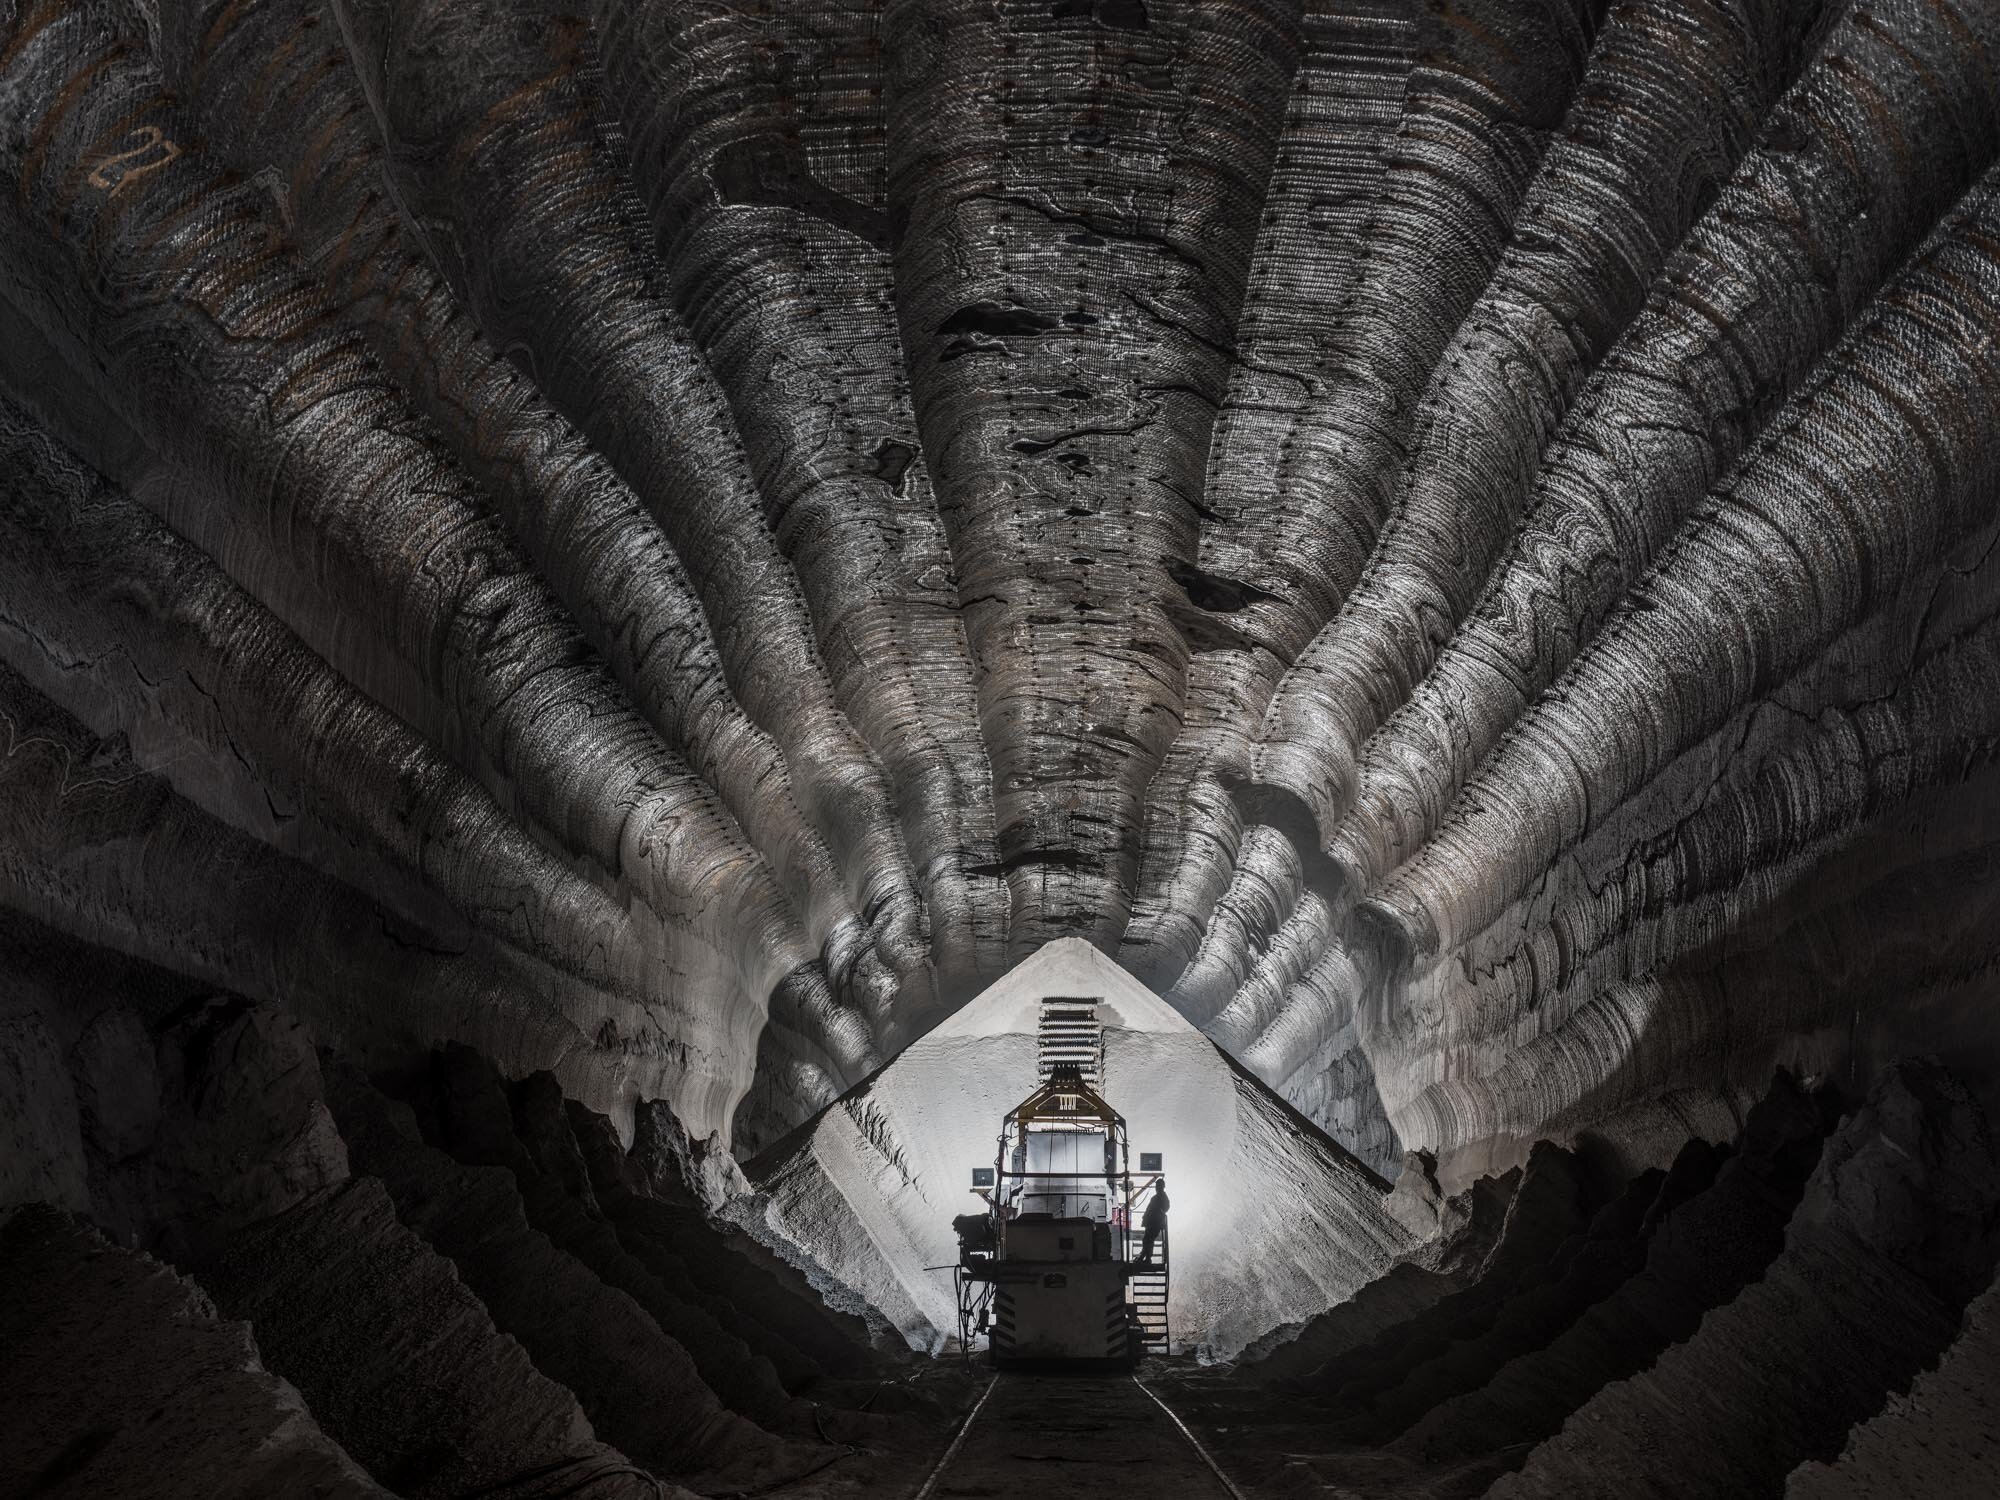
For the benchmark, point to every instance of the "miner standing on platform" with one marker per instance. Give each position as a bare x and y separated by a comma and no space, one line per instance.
1155,1220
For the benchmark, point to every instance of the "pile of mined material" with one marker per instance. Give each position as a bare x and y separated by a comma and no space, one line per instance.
1272,1221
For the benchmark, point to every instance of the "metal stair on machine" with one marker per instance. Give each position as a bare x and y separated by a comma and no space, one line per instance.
1148,1290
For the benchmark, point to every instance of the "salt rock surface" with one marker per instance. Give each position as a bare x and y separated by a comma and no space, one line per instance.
1272,1221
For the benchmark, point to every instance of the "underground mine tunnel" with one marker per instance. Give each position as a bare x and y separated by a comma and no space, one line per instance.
1039,748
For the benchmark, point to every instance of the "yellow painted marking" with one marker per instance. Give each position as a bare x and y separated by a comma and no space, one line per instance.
112,174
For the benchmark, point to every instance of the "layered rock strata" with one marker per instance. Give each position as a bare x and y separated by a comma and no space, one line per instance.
1451,540
576,581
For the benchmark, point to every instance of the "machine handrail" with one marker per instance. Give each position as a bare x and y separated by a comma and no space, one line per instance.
1094,1176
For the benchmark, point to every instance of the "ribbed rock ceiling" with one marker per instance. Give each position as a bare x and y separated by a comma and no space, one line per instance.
675,543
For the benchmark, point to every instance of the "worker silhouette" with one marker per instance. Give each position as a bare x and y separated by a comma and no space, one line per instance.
1155,1221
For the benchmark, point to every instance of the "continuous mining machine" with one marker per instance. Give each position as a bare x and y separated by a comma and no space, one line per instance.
1046,1272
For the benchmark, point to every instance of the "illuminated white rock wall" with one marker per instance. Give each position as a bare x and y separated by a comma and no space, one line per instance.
1271,1221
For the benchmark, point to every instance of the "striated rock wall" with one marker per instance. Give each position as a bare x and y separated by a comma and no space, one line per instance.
1937,1439
439,1283
1454,541
1720,1328
95,1335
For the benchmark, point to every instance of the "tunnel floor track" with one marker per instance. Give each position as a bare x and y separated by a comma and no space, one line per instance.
1063,1437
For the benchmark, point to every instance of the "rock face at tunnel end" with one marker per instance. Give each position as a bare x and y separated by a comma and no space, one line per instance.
1271,1222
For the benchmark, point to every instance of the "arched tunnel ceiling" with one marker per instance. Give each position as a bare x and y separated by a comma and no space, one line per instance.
675,542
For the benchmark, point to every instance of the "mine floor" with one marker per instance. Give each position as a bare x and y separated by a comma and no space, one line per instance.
1059,1436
